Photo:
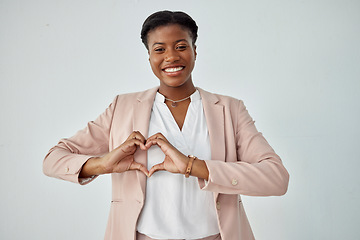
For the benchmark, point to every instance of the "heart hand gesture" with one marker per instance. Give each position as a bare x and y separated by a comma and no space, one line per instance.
121,159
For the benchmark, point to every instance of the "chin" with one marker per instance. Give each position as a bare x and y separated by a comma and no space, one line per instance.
173,84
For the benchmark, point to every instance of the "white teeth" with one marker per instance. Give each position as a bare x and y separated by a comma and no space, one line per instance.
175,69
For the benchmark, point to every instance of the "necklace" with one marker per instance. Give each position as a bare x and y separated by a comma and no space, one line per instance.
174,103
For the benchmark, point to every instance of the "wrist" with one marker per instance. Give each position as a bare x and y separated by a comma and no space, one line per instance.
101,166
90,168
199,169
189,165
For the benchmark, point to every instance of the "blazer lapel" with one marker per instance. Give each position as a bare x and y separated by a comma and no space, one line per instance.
214,114
141,119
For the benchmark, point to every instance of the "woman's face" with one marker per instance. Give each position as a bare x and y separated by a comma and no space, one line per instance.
171,55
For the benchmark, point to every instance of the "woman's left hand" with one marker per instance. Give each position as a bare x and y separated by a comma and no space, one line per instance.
174,162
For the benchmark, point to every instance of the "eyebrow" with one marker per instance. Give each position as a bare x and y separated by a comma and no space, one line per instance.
180,40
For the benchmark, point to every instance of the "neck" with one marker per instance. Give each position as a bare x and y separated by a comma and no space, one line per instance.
177,93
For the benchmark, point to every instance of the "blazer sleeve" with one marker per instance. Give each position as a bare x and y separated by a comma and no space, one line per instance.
257,171
65,160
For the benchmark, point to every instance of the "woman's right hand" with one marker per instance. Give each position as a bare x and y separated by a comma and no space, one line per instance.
119,160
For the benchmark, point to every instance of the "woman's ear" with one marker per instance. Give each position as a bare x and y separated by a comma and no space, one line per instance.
195,51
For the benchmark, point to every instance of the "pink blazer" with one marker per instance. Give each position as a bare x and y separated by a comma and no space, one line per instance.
242,161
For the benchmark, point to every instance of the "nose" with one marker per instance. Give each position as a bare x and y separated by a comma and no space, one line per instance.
172,56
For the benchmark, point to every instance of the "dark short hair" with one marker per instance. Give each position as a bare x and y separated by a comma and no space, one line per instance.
166,17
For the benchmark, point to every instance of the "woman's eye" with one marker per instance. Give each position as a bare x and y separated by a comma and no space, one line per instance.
181,47
158,49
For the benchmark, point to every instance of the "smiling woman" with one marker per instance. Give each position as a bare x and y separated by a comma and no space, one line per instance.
200,150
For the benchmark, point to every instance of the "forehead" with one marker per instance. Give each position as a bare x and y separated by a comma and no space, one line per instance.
168,33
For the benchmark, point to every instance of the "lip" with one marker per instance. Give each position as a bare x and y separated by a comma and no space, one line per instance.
173,74
172,66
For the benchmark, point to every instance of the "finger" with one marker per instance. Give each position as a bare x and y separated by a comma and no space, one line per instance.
156,141
144,170
139,136
139,143
131,136
153,141
157,167
128,168
158,136
129,144
150,142
136,135
139,167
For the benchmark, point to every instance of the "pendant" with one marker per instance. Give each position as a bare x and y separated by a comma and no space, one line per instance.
173,104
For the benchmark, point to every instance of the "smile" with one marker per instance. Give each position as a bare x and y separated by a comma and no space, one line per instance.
173,69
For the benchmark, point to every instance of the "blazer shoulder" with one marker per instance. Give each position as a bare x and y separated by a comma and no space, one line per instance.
137,96
221,99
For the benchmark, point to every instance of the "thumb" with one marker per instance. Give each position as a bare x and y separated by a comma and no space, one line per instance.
157,167
139,167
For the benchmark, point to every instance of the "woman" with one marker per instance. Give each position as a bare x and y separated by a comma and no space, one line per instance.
148,141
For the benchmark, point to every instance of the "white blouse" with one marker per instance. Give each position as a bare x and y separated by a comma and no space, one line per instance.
175,207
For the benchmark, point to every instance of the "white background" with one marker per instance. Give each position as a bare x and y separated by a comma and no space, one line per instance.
296,64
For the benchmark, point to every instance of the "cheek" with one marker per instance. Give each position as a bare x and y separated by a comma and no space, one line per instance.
154,67
154,61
